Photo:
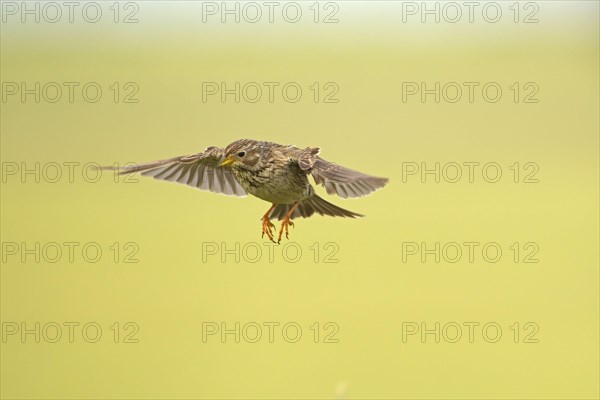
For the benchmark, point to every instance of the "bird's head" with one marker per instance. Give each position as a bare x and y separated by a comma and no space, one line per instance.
243,153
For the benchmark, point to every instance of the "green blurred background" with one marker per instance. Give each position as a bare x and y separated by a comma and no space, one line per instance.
176,286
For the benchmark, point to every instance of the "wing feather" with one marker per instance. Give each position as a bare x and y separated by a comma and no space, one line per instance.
336,179
197,170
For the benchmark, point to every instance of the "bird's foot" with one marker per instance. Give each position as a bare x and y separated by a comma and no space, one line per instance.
285,224
268,228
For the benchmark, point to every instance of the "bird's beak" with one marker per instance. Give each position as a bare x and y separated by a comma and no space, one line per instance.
226,161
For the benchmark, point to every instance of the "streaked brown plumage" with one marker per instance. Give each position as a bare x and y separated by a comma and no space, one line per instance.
270,171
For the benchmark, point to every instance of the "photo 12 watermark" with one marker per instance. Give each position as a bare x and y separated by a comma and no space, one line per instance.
469,332
53,12
470,172
270,12
88,92
290,92
471,252
269,332
63,172
69,252
470,12
69,332
269,252
489,92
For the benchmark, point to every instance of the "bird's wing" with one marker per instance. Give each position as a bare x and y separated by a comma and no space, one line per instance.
337,179
197,170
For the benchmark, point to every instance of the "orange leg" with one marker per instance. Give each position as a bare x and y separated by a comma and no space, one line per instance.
286,222
267,225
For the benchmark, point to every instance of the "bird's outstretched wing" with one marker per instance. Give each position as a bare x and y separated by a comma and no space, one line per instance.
337,179
197,170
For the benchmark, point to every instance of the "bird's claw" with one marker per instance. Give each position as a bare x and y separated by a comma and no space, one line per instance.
285,224
268,227
290,223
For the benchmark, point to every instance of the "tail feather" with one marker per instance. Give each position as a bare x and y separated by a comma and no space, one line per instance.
309,206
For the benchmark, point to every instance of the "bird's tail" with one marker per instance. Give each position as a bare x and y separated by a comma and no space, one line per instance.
311,205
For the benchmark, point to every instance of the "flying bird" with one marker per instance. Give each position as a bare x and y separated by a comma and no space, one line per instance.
272,172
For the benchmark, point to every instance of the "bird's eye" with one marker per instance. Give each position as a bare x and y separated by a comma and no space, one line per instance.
241,154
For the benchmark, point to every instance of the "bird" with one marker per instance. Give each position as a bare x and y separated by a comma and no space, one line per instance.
275,173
